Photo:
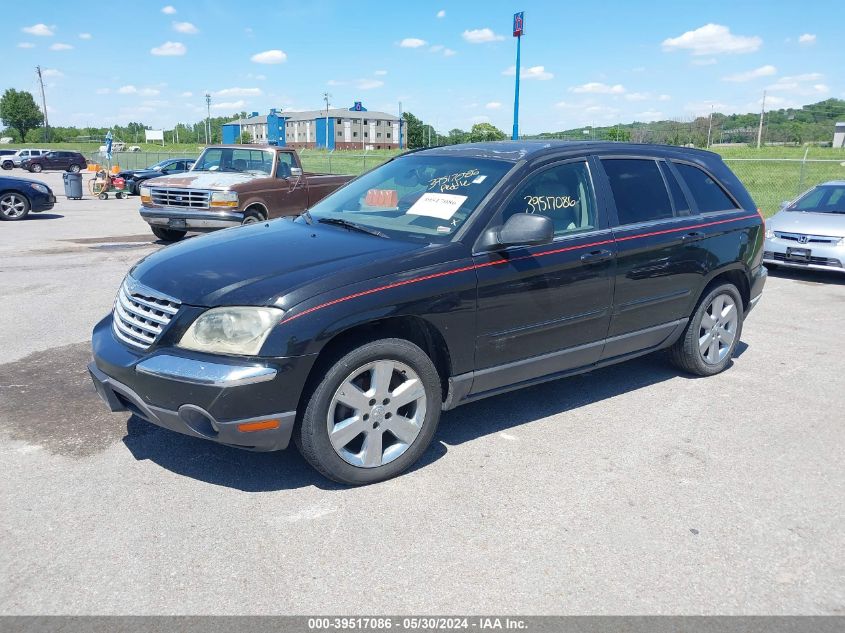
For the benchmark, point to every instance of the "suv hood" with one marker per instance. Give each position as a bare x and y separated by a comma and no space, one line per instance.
258,264
832,224
203,180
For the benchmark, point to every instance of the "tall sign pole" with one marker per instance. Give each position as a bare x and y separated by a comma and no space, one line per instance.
518,27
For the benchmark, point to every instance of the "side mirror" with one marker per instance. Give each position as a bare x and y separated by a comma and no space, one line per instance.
521,229
296,172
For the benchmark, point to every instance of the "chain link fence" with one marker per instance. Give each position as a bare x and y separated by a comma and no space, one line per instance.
771,181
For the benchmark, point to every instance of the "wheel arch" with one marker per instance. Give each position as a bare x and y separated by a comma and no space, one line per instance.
254,205
415,329
736,274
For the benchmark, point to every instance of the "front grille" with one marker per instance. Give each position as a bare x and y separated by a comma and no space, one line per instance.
141,314
183,198
819,261
803,238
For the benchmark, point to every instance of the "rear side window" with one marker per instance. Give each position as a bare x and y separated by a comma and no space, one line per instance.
638,190
708,194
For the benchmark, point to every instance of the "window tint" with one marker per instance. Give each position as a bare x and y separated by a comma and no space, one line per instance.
678,197
563,193
707,192
638,190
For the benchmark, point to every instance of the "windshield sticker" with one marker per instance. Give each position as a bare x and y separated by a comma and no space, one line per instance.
444,229
437,205
453,181
479,179
549,203
382,198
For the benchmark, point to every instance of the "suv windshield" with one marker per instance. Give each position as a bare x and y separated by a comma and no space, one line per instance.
416,196
248,161
822,199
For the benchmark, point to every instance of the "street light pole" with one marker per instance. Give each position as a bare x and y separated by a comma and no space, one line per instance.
518,26
208,119
326,97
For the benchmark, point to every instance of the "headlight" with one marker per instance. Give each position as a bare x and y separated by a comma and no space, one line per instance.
39,187
231,330
146,198
227,199
769,234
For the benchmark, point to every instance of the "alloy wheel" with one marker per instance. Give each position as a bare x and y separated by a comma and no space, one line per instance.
12,206
376,413
717,331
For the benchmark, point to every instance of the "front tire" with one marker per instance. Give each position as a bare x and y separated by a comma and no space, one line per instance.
373,414
710,339
13,206
168,235
35,169
252,217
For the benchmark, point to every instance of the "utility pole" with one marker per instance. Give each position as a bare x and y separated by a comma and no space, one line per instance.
762,114
400,125
44,106
208,119
710,126
326,97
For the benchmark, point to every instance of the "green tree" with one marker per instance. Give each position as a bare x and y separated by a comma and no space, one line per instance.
415,132
19,110
486,132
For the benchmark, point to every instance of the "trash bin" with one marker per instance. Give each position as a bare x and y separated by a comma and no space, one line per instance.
73,185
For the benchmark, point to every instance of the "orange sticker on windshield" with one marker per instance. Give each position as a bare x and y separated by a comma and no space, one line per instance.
382,198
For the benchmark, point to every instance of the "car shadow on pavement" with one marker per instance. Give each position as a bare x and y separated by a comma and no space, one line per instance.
264,472
44,216
808,276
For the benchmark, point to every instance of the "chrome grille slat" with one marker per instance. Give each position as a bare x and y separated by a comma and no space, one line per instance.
183,198
141,314
808,239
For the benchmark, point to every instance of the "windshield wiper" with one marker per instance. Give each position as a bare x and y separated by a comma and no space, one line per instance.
353,226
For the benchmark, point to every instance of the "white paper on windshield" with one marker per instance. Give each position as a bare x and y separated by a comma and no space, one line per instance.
437,205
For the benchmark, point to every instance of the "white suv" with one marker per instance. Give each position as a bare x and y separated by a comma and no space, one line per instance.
15,159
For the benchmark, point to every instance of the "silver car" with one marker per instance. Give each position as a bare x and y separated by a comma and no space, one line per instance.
810,231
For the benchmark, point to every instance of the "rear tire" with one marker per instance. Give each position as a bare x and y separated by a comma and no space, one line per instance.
74,169
712,334
371,438
35,169
168,235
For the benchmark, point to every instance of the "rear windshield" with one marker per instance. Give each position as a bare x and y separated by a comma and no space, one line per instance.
821,199
420,197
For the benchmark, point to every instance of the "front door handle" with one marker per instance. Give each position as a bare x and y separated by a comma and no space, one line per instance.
693,236
596,257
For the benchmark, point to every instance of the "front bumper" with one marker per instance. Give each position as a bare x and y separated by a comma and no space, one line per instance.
209,397
191,219
44,202
781,252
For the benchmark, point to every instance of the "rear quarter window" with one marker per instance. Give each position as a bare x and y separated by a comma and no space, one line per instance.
638,190
708,194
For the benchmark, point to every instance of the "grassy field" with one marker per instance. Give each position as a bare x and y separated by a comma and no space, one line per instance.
771,174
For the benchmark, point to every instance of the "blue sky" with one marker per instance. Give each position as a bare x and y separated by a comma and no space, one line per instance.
449,62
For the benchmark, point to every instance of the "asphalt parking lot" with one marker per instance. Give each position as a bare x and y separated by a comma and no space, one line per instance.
629,490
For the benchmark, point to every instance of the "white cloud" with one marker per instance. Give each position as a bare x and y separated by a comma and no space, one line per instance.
806,84
26,45
807,39
85,36
274,56
52,72
479,36
368,84
127,90
649,115
637,96
60,46
380,73
239,92
664,98
148,92
168,10
169,49
185,27
712,39
534,72
412,42
187,94
230,105
39,29
335,82
595,87
748,75
493,105
436,48
704,62
441,13
448,52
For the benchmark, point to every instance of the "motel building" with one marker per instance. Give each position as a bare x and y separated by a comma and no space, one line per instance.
348,128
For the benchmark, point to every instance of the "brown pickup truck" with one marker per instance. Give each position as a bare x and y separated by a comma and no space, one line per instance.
231,185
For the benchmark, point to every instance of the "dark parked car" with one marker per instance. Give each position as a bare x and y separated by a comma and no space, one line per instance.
20,196
66,161
441,277
135,177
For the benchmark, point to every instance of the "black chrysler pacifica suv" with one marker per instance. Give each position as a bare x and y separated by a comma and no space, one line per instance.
441,277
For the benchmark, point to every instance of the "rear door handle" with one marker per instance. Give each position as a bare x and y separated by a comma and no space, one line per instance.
693,236
596,257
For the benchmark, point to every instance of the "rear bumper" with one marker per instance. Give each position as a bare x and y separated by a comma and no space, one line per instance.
191,219
758,280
